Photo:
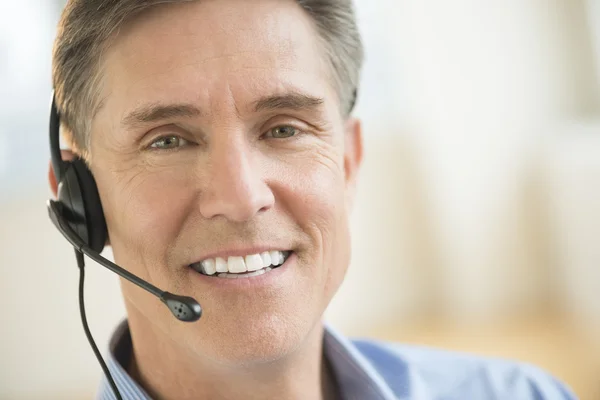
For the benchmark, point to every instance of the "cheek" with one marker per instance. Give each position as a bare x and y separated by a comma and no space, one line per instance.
323,194
145,210
327,222
319,207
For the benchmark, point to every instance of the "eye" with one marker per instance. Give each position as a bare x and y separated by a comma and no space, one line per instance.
282,132
168,142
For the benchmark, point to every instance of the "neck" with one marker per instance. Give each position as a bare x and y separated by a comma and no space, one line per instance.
166,371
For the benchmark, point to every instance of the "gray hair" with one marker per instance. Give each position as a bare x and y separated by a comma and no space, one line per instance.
86,27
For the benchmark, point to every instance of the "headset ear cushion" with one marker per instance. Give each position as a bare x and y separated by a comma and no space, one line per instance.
94,214
70,197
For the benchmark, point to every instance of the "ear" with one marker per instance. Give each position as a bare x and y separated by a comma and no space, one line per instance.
67,155
353,155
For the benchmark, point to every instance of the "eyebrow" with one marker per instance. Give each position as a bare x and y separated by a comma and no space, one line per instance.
289,101
158,112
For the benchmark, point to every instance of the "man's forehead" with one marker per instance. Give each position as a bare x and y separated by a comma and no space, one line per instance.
195,49
225,30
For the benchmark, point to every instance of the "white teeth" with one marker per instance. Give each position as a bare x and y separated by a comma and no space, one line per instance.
281,258
228,276
221,265
240,265
236,265
209,267
266,258
254,262
276,258
255,273
248,275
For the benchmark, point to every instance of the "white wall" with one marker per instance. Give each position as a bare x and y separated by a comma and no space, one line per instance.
468,110
481,90
593,14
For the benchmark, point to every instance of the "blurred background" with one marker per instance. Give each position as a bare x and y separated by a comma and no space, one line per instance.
478,214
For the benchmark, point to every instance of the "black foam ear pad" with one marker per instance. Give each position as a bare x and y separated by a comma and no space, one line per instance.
79,196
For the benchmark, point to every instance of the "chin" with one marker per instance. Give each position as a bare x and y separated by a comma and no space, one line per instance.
255,339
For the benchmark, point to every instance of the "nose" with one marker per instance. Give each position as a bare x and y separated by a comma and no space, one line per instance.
236,189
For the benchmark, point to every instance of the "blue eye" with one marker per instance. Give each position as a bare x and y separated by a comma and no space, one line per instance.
282,132
168,142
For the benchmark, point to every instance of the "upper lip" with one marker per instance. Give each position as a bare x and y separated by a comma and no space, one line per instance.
240,252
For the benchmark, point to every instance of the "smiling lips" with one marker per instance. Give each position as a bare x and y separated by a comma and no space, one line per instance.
242,267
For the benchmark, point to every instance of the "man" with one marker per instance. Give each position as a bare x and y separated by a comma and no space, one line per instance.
220,137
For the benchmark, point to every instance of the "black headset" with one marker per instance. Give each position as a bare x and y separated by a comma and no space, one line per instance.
78,197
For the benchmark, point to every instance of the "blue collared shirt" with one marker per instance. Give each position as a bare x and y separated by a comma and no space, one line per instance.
372,370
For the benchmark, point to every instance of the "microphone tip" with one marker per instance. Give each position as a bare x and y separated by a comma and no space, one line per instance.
182,307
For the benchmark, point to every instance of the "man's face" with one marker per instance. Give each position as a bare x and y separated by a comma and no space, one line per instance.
221,135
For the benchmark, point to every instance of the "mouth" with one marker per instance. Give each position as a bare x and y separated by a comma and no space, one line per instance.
235,267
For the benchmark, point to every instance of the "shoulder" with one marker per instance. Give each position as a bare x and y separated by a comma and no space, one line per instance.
420,372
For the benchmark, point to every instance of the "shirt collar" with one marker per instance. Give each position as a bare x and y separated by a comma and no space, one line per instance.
356,377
